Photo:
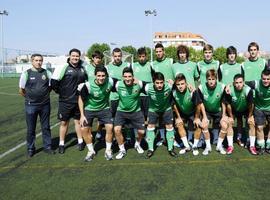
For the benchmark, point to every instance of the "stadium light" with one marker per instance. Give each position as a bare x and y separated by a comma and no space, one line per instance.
2,13
151,13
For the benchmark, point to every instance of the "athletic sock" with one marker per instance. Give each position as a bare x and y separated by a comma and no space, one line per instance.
80,140
150,137
61,143
261,143
230,140
170,138
108,146
122,147
208,145
90,147
195,144
219,143
252,140
268,143
185,142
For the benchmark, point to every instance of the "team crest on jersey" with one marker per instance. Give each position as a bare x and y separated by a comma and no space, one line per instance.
166,94
43,77
108,90
124,93
218,95
96,94
136,91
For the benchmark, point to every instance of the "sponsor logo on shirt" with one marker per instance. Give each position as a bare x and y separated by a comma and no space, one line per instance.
70,71
32,78
43,77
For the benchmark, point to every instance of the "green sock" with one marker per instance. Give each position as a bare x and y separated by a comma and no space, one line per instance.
261,143
170,139
150,137
268,143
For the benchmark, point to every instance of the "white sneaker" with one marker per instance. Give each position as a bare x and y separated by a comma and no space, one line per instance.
160,143
108,155
195,151
120,155
175,144
138,148
90,155
206,151
221,150
184,150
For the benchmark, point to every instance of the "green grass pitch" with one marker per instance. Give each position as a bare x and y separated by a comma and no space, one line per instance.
238,176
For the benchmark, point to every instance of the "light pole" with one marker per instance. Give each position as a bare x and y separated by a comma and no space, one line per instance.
151,13
2,13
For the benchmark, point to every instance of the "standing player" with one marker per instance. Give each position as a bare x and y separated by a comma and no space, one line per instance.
94,103
163,65
254,65
211,94
115,70
65,81
142,71
128,111
187,106
96,61
35,87
208,63
159,93
262,108
240,100
188,69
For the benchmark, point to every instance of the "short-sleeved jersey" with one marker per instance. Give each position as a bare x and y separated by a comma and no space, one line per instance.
159,101
36,84
253,69
228,71
90,71
189,69
128,96
204,66
165,67
212,98
239,100
69,77
142,72
186,101
98,95
115,71
261,95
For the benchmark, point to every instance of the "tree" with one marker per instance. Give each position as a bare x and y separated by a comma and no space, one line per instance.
131,50
97,47
171,52
195,55
220,54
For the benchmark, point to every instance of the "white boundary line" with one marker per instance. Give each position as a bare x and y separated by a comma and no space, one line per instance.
23,143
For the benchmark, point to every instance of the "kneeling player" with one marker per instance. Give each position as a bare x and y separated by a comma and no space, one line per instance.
128,110
240,100
262,109
187,103
94,103
159,94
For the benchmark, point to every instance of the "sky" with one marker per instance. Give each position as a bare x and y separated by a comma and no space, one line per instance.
56,26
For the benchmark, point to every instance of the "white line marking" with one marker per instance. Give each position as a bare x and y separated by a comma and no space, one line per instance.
23,143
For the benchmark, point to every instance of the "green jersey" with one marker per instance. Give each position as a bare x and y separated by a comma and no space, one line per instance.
165,67
128,96
253,69
115,71
159,101
98,98
185,101
262,96
90,71
212,98
189,69
240,100
142,72
204,66
228,71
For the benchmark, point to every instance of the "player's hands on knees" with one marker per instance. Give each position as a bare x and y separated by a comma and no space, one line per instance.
83,120
178,121
191,88
205,123
251,120
227,89
197,122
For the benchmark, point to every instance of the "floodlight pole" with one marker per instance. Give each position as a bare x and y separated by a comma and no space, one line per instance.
151,13
2,13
